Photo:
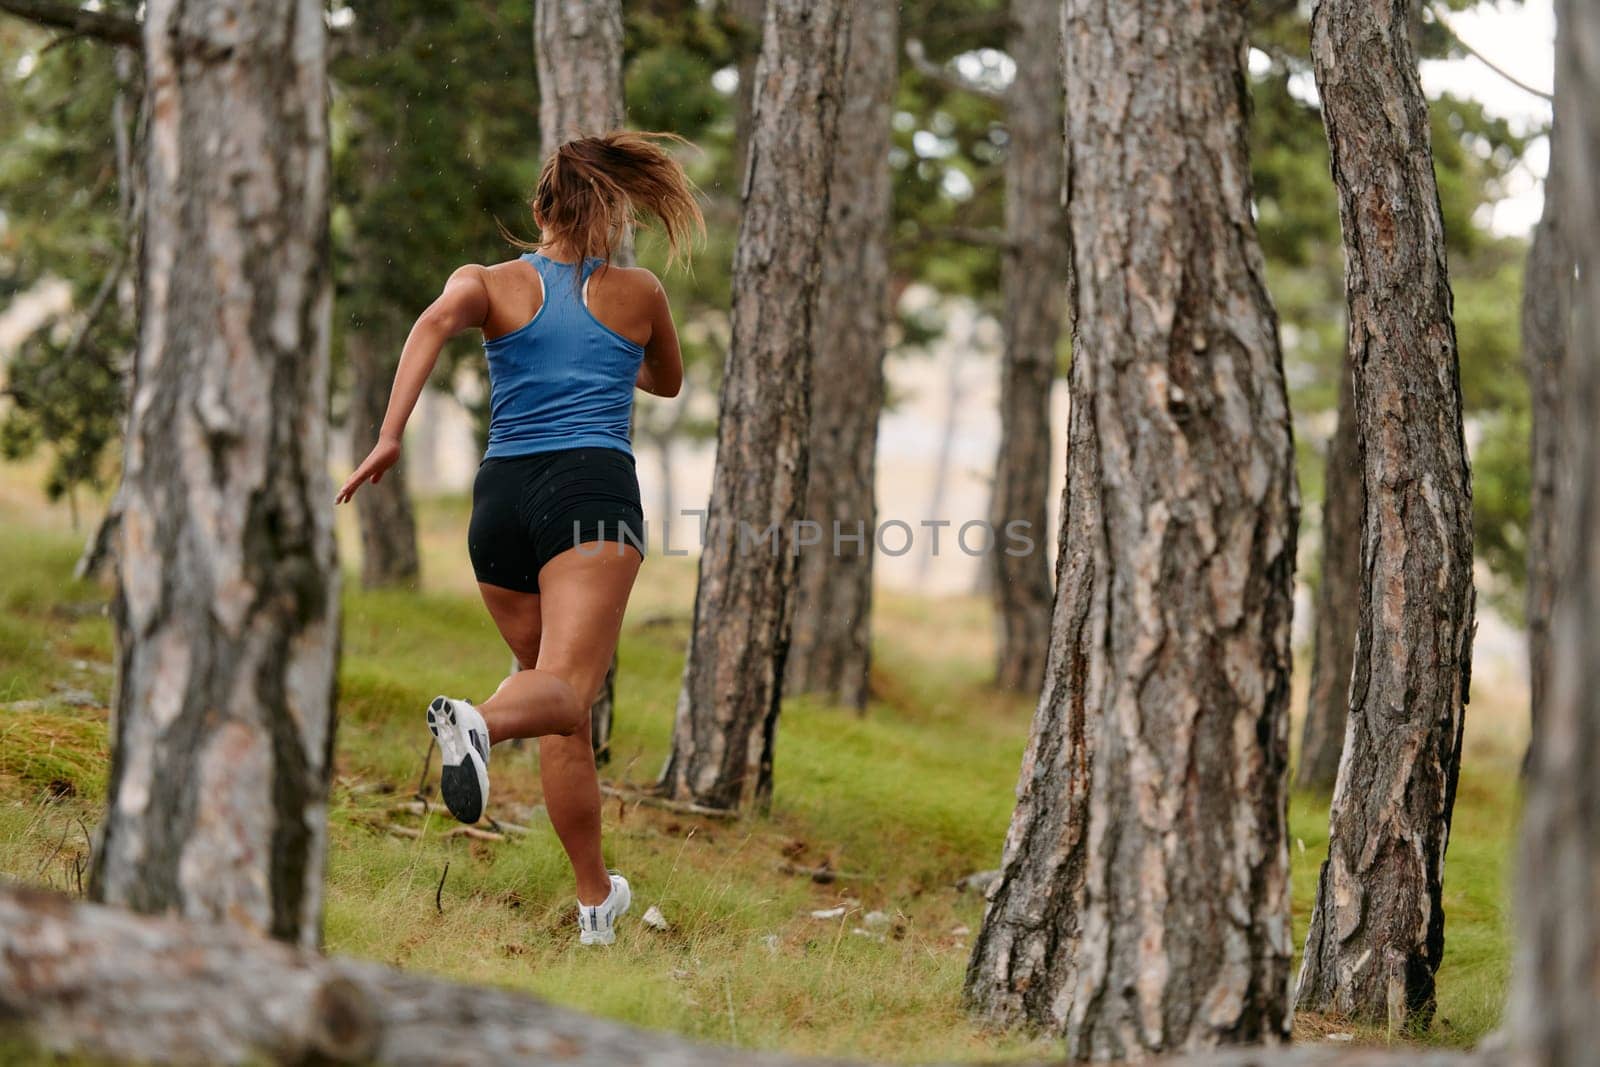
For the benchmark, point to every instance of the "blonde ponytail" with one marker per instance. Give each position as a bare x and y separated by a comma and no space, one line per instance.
591,189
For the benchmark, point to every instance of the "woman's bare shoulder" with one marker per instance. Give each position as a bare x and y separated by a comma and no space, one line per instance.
634,288
515,267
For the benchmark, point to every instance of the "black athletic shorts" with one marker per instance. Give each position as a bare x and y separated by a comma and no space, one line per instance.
526,510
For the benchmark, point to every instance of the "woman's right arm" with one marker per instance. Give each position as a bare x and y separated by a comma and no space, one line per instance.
463,305
661,369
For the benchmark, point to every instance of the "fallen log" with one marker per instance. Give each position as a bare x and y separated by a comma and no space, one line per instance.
83,979
88,980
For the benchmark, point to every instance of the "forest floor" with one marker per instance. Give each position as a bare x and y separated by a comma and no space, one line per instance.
902,802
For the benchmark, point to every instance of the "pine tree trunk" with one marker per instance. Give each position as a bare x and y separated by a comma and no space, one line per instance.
830,651
1338,608
578,52
1377,929
372,340
751,16
1143,903
129,119
1546,309
227,598
1034,271
1553,1014
728,708
388,524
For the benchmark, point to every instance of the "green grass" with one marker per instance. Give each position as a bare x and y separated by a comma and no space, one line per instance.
903,801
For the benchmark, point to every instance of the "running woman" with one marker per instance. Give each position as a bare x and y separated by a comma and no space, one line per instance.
556,535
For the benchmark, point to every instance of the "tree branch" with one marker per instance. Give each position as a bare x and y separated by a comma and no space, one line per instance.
944,75
1438,16
102,25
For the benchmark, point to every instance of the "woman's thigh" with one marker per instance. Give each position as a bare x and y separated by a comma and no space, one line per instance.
583,593
519,617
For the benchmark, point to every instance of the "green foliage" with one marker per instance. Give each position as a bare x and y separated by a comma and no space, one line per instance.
60,219
948,152
436,134
68,396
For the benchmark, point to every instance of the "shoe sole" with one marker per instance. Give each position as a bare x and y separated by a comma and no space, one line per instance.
463,781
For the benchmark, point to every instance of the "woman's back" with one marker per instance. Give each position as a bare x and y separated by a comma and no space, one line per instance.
564,344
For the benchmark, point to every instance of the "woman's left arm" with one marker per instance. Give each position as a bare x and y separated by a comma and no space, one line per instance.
661,371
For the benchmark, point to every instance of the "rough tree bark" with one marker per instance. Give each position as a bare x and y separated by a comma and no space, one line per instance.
830,651
1546,311
1034,270
388,523
1338,607
1143,903
1553,1014
751,16
1377,929
578,53
728,708
227,590
97,982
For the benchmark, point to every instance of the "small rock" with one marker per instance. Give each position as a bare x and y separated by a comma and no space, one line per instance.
859,932
828,913
1341,1037
978,882
874,920
76,698
961,931
654,918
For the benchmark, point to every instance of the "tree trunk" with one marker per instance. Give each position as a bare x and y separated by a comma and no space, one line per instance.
1037,260
949,424
751,16
388,524
1546,313
578,53
1377,929
98,983
227,598
372,339
728,708
1143,901
129,118
830,651
1338,609
1553,1014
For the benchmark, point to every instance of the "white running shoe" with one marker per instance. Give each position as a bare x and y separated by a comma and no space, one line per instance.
463,739
597,922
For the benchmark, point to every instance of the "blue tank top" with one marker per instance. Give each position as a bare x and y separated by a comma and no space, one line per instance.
564,379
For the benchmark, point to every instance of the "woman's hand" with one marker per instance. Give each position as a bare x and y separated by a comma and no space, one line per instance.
384,455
